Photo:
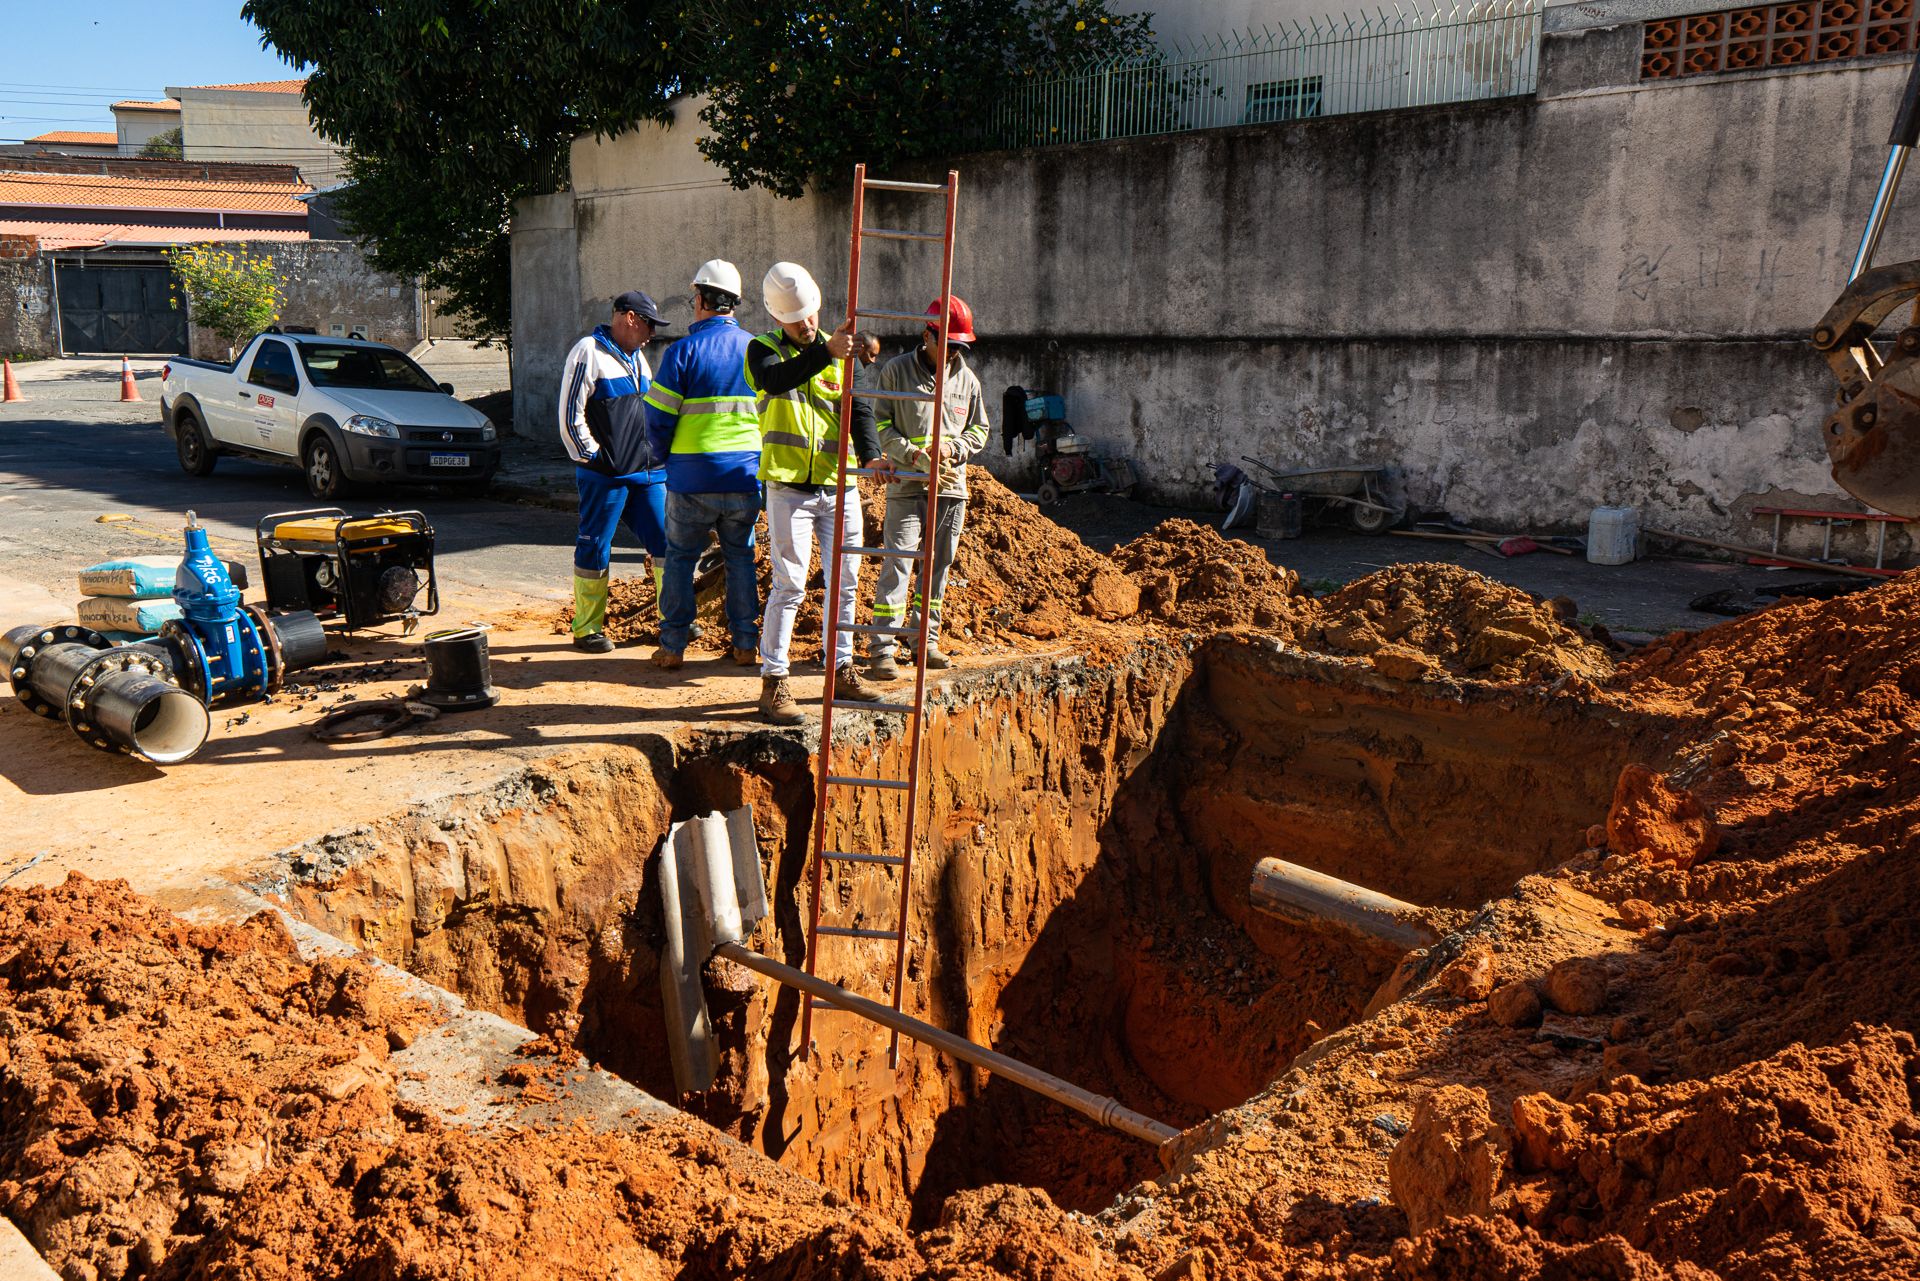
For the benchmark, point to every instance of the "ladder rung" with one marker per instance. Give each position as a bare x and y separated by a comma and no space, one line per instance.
856,780
881,233
841,856
891,315
886,184
890,475
878,629
925,397
846,705
902,553
851,932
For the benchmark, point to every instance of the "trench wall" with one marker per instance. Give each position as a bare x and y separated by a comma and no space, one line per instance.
1528,307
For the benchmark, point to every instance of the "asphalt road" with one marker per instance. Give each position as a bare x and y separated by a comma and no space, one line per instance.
73,453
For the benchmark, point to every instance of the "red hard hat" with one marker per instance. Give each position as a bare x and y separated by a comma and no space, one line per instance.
959,319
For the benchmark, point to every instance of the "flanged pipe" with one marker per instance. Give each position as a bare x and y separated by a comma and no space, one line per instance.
118,698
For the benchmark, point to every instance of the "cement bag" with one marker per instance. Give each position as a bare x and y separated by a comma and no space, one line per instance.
118,614
140,578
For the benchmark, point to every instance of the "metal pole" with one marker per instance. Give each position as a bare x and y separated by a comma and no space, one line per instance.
1906,131
1100,1108
1296,893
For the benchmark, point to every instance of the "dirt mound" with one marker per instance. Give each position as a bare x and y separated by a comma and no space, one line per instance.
179,1100
1418,620
1191,577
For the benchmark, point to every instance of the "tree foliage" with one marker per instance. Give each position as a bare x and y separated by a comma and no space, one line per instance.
164,145
801,90
233,295
449,110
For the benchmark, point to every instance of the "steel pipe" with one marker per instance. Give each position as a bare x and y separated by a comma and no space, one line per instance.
1300,894
143,714
1103,1110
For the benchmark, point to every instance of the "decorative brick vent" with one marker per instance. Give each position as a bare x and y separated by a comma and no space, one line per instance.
1775,35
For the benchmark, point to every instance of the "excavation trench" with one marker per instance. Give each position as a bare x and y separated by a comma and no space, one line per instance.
1081,902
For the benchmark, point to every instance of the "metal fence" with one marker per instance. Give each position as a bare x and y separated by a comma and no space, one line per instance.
1327,67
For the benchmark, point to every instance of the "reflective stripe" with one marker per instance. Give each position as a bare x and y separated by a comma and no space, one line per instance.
700,432
800,429
792,439
717,405
882,610
664,399
588,573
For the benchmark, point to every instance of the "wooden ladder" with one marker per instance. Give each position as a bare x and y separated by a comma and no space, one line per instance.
829,784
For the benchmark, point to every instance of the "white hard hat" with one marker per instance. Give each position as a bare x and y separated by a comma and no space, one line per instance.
789,292
718,273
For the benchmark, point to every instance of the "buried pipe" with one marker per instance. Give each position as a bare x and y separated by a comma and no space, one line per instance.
1301,895
1101,1109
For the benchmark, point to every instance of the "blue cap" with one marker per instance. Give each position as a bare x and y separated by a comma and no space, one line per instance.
635,301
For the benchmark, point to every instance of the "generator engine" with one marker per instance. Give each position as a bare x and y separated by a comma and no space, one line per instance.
358,571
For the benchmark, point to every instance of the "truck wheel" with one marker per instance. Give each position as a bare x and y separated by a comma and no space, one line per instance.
191,443
321,463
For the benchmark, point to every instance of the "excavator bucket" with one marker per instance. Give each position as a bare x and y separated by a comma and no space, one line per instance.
1873,437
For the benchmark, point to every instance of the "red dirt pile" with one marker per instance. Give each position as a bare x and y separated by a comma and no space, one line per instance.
1414,621
179,1100
1022,582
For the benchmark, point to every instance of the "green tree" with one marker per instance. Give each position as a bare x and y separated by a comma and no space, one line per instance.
449,110
801,90
164,145
233,295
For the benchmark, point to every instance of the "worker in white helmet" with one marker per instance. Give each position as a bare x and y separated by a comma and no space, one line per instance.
702,420
797,372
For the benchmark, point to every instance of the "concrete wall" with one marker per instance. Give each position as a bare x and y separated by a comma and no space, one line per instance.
26,299
1526,307
328,283
137,128
250,125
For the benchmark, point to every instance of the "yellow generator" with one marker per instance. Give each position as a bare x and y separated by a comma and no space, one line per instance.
358,570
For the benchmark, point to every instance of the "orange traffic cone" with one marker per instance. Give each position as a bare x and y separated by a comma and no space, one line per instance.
12,386
127,390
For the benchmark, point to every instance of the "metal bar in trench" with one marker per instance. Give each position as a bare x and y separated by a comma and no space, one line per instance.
1098,1107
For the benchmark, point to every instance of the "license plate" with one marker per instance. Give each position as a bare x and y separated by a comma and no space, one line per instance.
447,460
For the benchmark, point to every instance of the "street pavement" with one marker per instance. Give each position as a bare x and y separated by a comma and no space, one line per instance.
72,453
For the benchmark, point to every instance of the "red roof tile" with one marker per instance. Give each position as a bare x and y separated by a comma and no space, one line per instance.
119,191
135,104
261,86
90,137
87,235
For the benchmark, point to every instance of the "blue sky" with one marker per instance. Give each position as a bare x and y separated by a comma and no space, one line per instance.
60,68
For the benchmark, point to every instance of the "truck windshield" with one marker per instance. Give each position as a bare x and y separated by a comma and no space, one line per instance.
368,368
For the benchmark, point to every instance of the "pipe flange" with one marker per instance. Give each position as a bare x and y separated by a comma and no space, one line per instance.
21,674
276,661
80,693
193,658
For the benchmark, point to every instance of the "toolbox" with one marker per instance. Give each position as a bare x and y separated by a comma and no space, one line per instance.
360,571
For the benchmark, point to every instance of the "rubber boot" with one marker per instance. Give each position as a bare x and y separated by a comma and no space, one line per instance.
589,606
776,702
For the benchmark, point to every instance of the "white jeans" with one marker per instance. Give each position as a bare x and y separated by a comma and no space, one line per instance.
794,518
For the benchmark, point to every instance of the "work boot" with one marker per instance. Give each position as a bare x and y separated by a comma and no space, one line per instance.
935,659
746,657
594,643
776,702
848,685
668,660
882,667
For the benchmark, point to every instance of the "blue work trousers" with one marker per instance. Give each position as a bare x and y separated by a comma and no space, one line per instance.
690,517
604,502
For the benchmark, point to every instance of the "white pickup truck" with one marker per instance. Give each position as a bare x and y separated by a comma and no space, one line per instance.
345,411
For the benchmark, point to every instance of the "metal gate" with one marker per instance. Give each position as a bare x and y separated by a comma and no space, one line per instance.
118,309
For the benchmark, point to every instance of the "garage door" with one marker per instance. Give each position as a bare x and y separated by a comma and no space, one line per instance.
119,309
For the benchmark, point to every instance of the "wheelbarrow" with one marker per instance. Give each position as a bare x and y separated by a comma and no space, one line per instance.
1361,491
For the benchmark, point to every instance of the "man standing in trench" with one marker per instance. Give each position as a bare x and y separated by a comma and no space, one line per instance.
906,430
796,373
603,424
701,419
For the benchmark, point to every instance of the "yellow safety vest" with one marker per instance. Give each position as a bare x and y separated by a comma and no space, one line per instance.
799,429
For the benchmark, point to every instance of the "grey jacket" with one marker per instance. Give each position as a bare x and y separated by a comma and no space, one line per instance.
907,426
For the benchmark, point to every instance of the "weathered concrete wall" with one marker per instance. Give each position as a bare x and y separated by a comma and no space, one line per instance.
1527,307
248,124
26,300
548,317
328,283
